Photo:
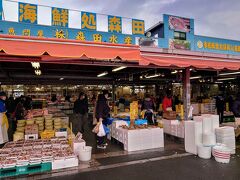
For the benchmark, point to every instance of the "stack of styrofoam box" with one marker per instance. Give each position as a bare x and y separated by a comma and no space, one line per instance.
141,139
157,138
180,130
174,128
226,135
195,108
195,129
115,133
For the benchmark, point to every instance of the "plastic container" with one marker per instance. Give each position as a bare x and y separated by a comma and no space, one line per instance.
85,153
221,153
204,152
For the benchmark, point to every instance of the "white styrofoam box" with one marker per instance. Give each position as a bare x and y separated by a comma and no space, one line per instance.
195,108
31,136
193,137
204,152
209,139
77,145
215,122
224,130
146,135
58,164
175,122
207,124
197,118
61,134
71,162
157,138
62,163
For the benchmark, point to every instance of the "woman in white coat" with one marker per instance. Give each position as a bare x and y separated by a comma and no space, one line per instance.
3,119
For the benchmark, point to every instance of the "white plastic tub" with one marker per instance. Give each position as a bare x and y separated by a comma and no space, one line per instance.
85,153
204,151
221,153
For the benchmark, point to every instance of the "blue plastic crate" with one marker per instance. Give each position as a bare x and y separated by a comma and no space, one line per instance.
139,122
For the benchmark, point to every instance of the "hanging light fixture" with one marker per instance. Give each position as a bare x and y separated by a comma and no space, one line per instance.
35,65
38,72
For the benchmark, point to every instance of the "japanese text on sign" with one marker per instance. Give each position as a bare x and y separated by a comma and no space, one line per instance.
27,13
138,27
59,17
115,24
89,21
218,46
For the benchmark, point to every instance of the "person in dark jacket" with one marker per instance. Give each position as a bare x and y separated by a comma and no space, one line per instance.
236,106
148,105
220,104
102,113
81,111
20,110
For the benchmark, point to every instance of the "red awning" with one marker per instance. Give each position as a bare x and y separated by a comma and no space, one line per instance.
167,60
61,48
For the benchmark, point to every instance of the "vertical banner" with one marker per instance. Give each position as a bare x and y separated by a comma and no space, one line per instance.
88,21
138,27
59,17
1,10
114,24
27,13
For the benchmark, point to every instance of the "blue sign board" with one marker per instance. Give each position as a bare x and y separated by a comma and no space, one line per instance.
216,45
27,13
1,10
88,21
114,24
22,29
59,17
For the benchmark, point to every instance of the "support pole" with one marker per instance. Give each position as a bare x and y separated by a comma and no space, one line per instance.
186,92
113,92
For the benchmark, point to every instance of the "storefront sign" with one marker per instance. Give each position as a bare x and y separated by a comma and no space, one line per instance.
22,29
89,21
1,9
138,27
27,25
179,24
179,44
59,17
27,13
216,45
114,24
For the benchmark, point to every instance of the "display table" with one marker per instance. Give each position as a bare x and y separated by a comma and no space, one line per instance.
137,139
174,128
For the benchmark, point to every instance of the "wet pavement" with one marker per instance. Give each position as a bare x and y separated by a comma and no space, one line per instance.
178,168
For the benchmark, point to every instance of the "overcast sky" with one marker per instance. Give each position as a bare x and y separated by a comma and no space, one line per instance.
217,18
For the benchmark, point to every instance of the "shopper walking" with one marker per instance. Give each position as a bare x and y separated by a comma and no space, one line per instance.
102,113
3,119
81,111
